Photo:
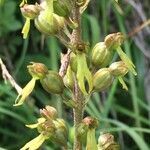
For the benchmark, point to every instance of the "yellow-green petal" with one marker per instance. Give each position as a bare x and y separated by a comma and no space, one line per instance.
124,86
25,92
35,143
83,73
126,60
33,126
91,140
26,28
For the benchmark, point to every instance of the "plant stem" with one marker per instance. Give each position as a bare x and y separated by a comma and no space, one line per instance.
78,96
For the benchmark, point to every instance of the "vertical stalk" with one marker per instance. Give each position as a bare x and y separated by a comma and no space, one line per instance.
78,96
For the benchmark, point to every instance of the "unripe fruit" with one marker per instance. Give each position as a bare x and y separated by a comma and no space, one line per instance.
63,7
49,28
102,79
48,22
53,83
101,55
118,68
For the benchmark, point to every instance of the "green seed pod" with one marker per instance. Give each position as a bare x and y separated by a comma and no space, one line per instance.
49,28
102,79
118,68
114,40
48,22
101,55
53,83
37,70
61,133
31,11
69,79
106,142
63,7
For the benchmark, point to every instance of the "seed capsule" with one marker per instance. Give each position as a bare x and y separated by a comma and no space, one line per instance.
48,22
101,55
102,79
63,7
53,83
61,132
47,27
118,68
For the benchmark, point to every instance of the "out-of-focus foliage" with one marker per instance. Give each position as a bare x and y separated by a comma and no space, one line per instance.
125,114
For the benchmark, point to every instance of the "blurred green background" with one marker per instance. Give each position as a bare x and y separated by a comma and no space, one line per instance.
124,114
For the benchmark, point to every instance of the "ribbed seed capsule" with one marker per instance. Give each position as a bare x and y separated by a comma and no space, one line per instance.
48,22
63,7
53,83
118,68
101,55
61,132
47,27
102,79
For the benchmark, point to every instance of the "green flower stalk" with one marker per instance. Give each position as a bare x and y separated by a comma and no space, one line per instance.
83,73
